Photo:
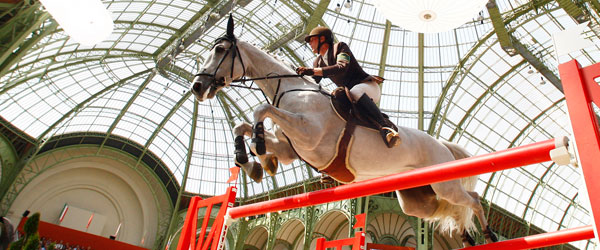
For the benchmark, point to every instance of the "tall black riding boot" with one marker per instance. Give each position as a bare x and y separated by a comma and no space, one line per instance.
369,108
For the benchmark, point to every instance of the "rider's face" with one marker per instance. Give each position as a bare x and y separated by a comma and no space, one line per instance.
314,43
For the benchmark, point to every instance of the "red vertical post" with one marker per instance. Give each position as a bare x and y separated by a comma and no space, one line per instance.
359,241
219,229
320,244
187,238
580,91
189,226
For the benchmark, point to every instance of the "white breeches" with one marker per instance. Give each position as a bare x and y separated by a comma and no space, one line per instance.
370,88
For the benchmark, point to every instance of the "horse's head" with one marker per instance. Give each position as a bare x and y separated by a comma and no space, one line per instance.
221,67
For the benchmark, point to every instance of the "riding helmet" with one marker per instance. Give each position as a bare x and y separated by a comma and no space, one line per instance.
320,31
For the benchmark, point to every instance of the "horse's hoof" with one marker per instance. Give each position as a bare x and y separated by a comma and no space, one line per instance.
253,170
490,236
271,165
467,240
240,150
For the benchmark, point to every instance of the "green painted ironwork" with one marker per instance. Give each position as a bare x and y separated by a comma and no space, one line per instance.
34,169
421,82
185,173
28,156
573,10
467,62
384,48
480,100
18,28
316,16
500,28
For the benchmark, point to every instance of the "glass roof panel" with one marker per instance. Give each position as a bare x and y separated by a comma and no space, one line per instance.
477,95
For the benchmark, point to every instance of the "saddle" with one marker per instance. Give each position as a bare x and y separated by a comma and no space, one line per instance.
339,168
340,101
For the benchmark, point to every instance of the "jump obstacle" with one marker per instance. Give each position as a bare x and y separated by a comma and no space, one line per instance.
580,90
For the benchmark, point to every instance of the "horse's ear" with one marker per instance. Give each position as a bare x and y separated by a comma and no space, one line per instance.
230,27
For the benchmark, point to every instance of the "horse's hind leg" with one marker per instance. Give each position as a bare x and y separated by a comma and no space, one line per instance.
489,235
453,192
419,202
467,240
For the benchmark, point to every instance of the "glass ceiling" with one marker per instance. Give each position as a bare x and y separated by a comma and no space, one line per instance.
135,85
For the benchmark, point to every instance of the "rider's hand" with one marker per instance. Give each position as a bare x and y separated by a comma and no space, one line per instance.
305,71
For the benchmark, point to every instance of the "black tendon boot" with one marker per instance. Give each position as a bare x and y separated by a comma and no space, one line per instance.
369,108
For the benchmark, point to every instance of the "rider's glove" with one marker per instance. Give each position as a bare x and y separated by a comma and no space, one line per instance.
305,71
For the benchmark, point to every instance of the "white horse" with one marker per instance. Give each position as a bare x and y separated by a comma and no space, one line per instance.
306,117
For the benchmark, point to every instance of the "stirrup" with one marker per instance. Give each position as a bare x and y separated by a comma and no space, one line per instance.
390,136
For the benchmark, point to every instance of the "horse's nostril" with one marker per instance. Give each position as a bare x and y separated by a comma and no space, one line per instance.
196,87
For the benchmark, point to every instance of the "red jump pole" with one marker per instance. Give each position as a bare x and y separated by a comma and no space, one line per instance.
540,240
496,161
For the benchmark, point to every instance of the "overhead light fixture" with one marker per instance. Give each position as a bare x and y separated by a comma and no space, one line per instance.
530,71
480,17
338,8
429,16
348,4
88,22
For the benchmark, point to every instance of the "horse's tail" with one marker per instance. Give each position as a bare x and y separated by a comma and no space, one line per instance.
452,217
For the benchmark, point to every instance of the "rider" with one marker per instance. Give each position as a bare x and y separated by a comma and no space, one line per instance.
343,69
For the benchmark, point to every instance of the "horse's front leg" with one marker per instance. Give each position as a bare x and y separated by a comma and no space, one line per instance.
294,125
279,150
251,168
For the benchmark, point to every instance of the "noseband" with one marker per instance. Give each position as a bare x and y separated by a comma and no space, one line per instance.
235,51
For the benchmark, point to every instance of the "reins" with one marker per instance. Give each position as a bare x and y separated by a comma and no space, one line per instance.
266,78
235,52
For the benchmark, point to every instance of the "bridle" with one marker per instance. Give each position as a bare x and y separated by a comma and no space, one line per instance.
235,52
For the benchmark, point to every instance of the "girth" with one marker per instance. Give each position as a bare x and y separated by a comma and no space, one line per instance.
338,168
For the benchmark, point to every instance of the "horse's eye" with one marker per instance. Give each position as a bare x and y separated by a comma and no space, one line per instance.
219,49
